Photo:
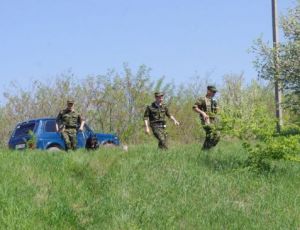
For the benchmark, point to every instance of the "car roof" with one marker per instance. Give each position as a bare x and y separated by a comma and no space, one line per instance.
36,120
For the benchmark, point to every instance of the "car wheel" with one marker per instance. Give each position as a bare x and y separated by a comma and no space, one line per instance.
54,149
108,145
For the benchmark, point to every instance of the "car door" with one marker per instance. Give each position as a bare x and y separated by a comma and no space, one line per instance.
49,136
82,137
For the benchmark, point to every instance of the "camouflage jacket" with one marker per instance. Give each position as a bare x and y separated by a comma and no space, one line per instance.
208,105
156,114
68,119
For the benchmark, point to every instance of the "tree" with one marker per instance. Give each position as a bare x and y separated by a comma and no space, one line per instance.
289,59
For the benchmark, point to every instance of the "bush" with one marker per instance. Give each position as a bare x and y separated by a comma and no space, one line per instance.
274,148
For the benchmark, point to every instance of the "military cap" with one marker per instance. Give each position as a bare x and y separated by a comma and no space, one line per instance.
212,88
158,94
70,101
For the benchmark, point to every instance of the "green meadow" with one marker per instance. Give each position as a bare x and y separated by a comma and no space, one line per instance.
144,188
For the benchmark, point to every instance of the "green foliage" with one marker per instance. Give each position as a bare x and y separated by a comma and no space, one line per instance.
245,111
115,102
288,61
285,68
290,129
273,148
31,143
246,115
145,188
256,126
283,146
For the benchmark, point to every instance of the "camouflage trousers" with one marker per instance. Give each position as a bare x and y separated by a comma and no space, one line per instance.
161,135
212,136
70,138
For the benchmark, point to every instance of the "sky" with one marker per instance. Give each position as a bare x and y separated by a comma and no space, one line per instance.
42,39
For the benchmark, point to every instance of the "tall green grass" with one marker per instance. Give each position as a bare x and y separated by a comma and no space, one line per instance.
144,188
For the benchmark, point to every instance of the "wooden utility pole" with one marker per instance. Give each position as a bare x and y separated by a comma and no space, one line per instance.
278,86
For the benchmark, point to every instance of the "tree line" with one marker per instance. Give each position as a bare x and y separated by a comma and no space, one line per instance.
115,101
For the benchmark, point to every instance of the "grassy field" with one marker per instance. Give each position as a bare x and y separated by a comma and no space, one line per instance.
182,188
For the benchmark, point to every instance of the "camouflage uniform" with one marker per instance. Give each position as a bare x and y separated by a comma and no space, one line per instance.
209,106
157,117
68,122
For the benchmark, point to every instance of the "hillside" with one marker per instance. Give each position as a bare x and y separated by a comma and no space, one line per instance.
182,188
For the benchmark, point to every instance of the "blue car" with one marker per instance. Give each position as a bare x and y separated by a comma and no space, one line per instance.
43,132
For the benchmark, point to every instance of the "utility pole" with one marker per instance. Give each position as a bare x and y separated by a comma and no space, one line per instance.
278,85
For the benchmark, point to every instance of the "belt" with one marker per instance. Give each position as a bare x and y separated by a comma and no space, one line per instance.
158,125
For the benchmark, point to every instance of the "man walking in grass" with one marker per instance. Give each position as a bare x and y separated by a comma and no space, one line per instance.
207,109
156,114
68,122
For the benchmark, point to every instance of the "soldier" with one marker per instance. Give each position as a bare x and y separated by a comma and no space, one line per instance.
156,114
207,108
68,121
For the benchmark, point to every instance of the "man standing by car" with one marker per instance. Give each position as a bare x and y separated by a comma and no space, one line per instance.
156,114
68,122
207,108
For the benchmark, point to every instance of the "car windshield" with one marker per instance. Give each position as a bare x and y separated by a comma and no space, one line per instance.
24,129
